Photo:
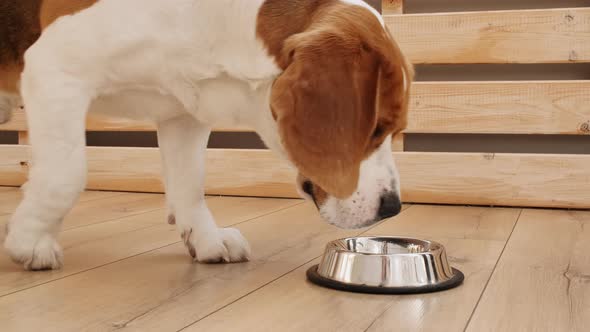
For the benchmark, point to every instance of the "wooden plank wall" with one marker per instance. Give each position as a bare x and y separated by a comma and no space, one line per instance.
521,107
515,36
449,178
559,35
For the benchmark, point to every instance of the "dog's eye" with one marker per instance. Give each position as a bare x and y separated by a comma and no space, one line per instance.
307,188
365,47
378,132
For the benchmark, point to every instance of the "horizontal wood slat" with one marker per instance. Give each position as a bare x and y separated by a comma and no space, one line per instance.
529,107
229,172
541,107
100,123
517,36
537,180
463,178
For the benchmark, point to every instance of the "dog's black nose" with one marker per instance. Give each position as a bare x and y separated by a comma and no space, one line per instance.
390,205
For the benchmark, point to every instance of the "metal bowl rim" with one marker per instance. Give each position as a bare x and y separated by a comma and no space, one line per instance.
437,246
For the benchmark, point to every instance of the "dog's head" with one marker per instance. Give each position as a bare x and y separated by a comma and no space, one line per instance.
341,98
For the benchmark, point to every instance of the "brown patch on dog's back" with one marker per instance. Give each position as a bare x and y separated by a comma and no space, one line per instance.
19,29
51,10
21,24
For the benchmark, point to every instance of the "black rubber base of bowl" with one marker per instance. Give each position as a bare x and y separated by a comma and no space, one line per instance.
313,276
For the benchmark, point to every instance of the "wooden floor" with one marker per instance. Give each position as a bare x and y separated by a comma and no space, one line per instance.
125,269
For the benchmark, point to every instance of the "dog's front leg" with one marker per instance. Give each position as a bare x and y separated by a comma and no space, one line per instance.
56,112
183,144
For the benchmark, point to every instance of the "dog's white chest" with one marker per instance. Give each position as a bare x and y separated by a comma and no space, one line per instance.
203,57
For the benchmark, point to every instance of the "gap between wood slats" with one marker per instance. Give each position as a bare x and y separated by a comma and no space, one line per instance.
454,178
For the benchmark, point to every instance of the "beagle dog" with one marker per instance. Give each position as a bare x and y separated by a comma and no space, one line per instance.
321,81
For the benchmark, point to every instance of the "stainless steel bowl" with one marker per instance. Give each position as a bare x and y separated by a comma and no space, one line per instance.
390,265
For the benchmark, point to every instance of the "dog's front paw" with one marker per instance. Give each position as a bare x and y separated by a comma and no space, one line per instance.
35,252
225,245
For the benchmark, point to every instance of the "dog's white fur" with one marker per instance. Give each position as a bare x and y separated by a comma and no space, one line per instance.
186,65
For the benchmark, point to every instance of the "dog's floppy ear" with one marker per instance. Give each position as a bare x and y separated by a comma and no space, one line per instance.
325,106
395,80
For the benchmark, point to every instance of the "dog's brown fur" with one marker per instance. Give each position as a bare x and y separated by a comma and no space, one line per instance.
19,29
51,10
331,110
21,24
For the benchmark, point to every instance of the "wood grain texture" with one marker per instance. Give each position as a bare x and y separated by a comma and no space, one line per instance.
496,179
112,208
11,196
448,178
474,240
542,282
23,138
132,274
518,36
229,172
392,7
524,107
398,144
101,123
162,289
535,107
96,245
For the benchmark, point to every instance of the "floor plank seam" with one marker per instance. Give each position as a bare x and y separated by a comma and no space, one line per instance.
131,320
114,219
247,294
277,278
389,305
536,279
138,254
122,217
143,228
115,194
124,324
2,214
86,270
268,213
483,291
162,208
